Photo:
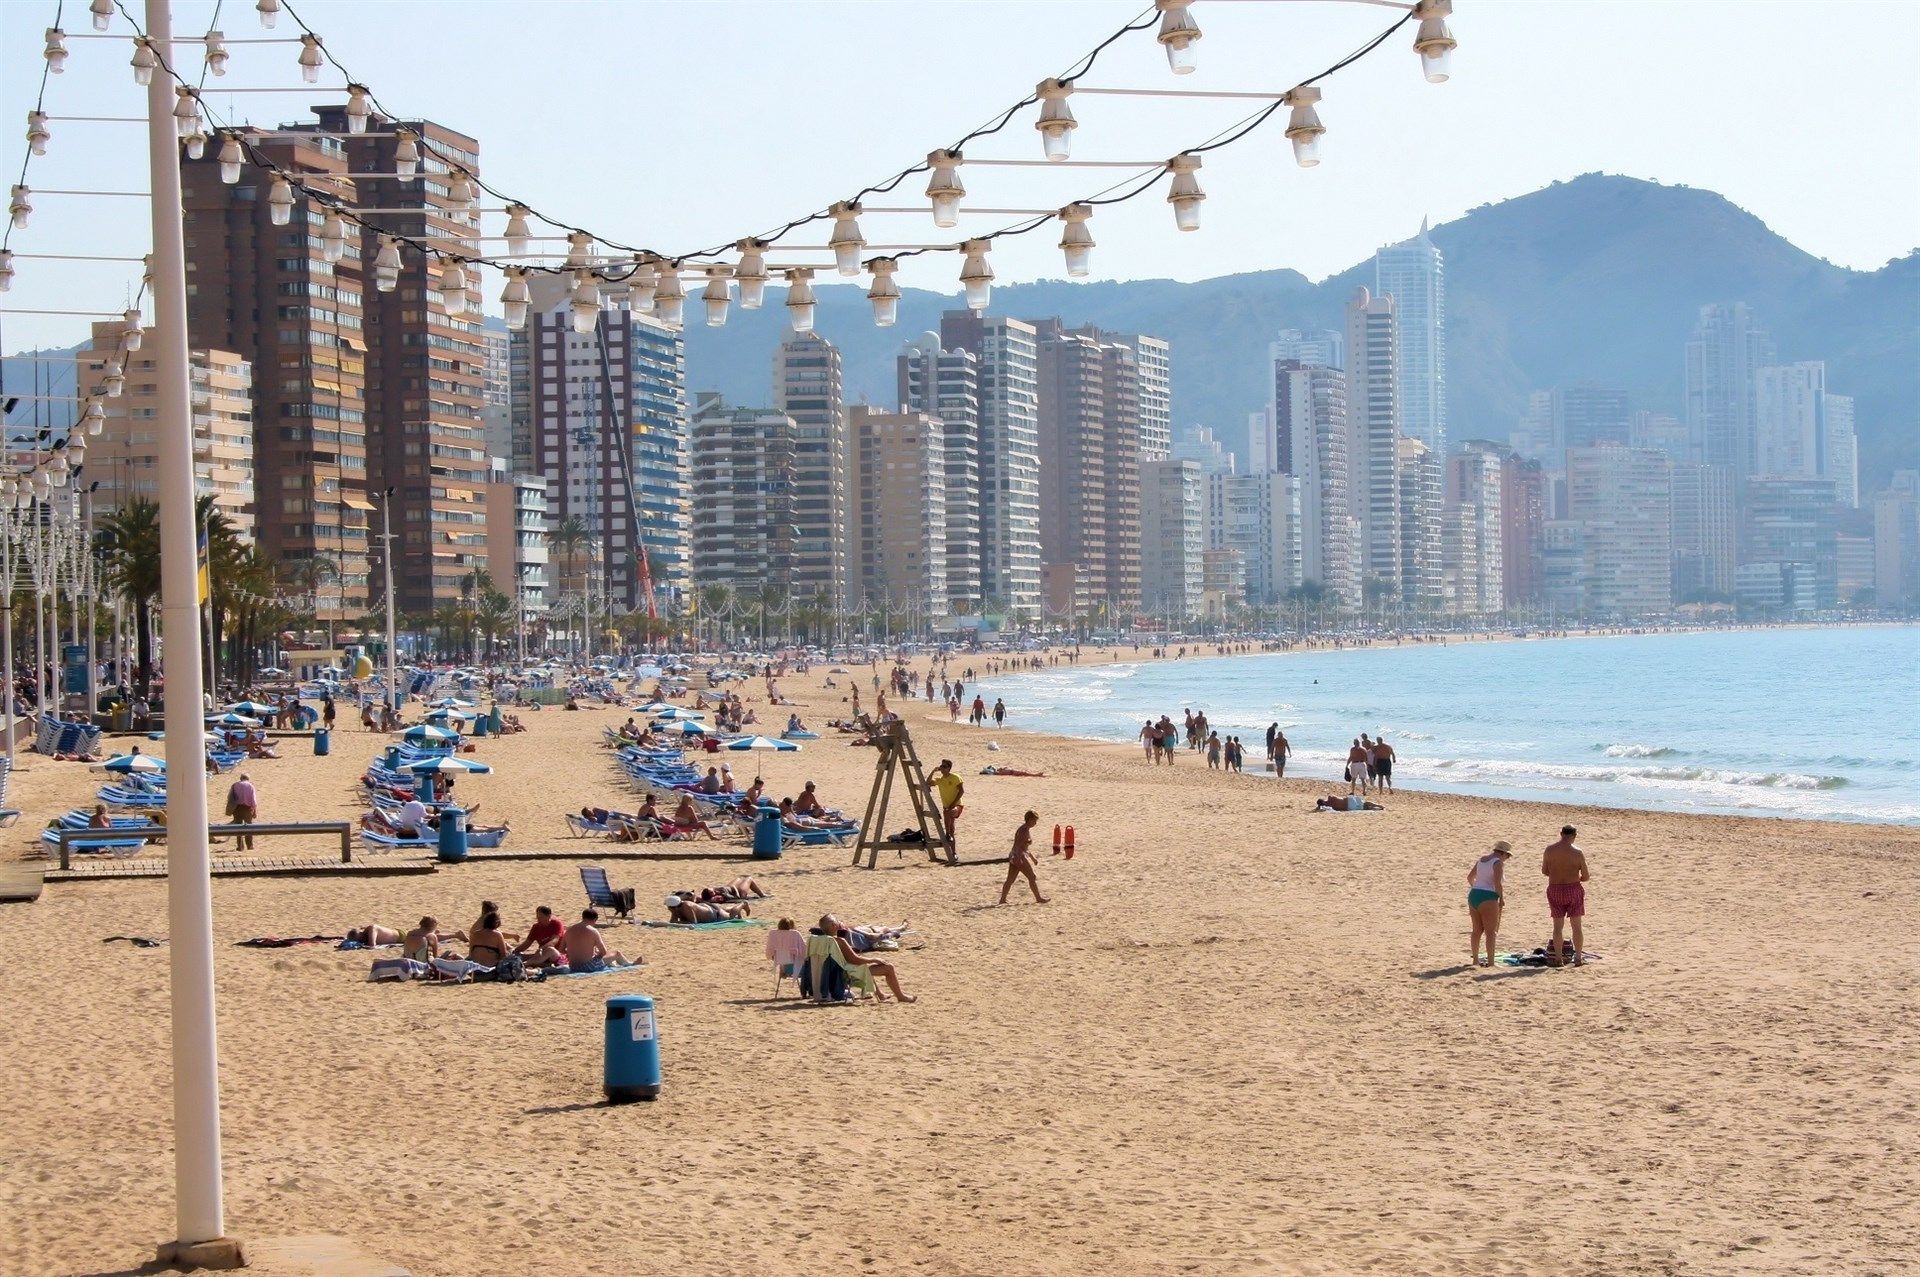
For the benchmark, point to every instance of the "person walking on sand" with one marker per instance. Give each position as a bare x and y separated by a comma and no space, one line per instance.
243,804
1382,764
1280,751
1357,769
1020,860
999,711
1485,895
1565,866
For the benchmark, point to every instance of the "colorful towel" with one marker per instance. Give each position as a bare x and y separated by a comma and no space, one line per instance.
727,925
284,942
551,973
1538,958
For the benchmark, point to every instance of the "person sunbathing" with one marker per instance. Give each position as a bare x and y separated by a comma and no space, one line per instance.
802,824
486,943
867,936
1345,802
373,935
685,817
832,926
587,950
794,724
809,804
744,887
422,944
686,910
541,947
99,819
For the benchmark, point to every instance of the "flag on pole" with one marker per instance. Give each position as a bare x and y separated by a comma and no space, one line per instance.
205,568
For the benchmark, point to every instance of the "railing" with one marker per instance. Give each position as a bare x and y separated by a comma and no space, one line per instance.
121,832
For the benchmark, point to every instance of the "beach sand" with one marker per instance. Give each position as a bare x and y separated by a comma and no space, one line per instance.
1242,1038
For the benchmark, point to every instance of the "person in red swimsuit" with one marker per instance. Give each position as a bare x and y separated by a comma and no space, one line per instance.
1565,866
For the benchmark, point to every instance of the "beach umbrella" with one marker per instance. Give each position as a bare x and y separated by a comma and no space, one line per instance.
762,742
253,709
428,734
680,712
133,763
658,707
232,720
692,729
451,702
271,670
646,671
448,763
440,715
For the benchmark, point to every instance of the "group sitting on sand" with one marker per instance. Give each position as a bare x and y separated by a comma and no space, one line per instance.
1565,867
548,943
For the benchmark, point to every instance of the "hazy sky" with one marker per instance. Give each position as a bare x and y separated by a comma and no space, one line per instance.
679,125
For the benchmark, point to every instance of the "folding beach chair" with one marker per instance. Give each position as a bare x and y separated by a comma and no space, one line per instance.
602,894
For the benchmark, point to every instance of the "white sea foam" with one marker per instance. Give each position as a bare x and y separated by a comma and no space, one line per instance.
1637,751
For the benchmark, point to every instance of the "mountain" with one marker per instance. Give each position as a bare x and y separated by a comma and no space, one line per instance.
1594,279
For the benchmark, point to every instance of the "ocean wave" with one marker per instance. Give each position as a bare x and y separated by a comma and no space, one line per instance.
1638,751
1499,769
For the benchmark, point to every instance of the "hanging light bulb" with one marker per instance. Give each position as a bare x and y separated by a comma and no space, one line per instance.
460,190
56,50
102,14
1178,31
37,134
1056,122
976,276
885,293
515,298
77,451
42,484
800,300
1185,195
231,157
143,61
519,234
1434,43
186,113
269,11
669,296
95,417
1304,127
6,269
114,384
453,286
642,282
217,52
846,240
196,145
280,201
406,155
333,236
579,248
310,59
130,333
386,265
944,187
20,206
1075,239
716,295
58,463
359,108
585,303
752,273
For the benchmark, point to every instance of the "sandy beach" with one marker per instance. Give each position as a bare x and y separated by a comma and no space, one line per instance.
1242,1038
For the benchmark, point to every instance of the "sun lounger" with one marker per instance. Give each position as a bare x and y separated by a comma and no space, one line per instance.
602,894
102,841
829,977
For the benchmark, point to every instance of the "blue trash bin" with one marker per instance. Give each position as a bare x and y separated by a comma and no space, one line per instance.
766,838
480,725
322,742
632,1067
393,758
453,835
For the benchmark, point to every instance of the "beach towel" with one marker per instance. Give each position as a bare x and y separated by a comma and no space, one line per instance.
139,942
549,973
283,942
1538,958
726,924
385,969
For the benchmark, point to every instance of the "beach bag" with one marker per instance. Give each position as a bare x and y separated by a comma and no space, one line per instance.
509,970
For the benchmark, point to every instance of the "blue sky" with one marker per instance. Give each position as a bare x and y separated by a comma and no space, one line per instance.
678,125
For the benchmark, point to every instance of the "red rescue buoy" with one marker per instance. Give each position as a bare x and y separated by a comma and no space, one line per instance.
1056,840
1069,842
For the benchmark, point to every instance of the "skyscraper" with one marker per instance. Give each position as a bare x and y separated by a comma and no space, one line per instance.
1424,530
1173,537
1089,438
1727,347
1703,531
1373,436
1790,421
1008,355
1622,498
1413,274
946,384
900,510
1587,415
806,387
1842,451
742,481
606,426
1523,516
1153,371
1308,410
1791,526
1310,348
496,416
1896,541
1474,475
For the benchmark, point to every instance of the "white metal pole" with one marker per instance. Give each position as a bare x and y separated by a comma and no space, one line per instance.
6,633
199,1212
93,617
386,558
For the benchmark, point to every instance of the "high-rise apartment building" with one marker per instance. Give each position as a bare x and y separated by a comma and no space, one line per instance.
1173,536
1257,516
1790,421
946,384
1587,415
1792,524
1474,484
1201,446
1727,348
125,457
1842,451
1089,433
1423,583
1458,553
1413,274
1896,541
1309,348
900,511
1623,500
1703,532
742,480
1373,437
270,294
1523,516
1308,416
1662,433
1153,377
1008,355
517,554
606,425
806,387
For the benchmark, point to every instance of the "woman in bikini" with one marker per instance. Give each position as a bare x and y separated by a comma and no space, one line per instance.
1484,890
486,943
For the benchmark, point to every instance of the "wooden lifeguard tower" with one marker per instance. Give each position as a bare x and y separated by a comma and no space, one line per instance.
897,755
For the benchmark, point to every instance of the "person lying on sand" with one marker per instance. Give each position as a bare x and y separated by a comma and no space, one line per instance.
868,935
373,935
1345,802
832,926
688,910
587,950
745,887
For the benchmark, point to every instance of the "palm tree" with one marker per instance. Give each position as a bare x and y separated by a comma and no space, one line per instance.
130,548
713,602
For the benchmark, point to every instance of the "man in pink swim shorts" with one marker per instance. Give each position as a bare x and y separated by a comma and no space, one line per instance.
1565,866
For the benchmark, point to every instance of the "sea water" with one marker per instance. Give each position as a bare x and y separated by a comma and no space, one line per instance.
1821,723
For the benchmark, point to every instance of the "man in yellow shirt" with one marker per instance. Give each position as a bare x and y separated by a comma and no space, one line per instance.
948,790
